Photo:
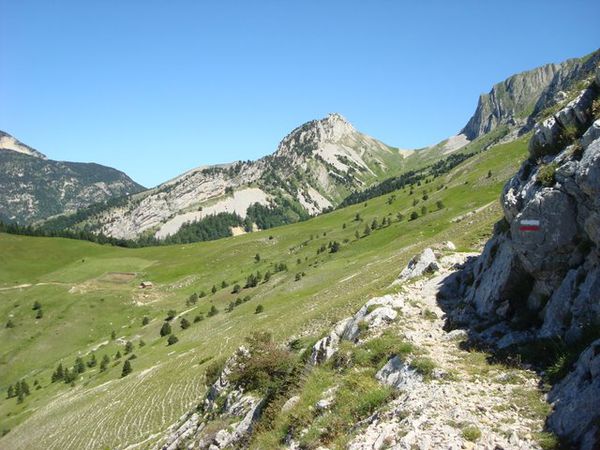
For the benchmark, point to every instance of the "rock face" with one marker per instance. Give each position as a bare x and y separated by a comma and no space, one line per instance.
33,187
577,398
314,168
539,275
521,97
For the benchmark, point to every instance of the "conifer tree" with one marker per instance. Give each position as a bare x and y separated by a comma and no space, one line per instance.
165,329
126,368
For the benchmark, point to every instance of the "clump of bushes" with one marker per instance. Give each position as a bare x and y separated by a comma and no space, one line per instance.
546,175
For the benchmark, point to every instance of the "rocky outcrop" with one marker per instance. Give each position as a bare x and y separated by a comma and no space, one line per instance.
538,277
227,416
376,313
419,265
519,98
553,133
576,400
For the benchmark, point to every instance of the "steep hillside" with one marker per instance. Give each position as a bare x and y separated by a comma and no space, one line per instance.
313,169
33,187
533,293
521,98
86,291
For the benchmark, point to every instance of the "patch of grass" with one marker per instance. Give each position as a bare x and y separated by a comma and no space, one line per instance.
424,366
547,440
471,433
429,315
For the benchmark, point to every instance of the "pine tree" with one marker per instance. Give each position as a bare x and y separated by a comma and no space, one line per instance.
36,305
193,298
142,343
25,388
92,361
199,318
236,289
126,368
118,355
259,309
113,335
213,311
439,204
10,324
214,289
79,366
267,276
165,329
128,347
104,363
224,284
400,217
257,257
145,321
171,314
172,340
10,392
184,323
367,230
58,374
414,215
39,314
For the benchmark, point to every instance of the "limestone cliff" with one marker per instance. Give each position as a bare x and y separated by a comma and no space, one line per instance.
519,99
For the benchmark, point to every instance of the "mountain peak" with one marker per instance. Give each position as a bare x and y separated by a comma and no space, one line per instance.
10,143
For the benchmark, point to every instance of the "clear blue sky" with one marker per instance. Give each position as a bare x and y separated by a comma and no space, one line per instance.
157,87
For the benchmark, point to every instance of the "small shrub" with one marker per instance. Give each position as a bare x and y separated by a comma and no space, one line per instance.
172,340
471,433
546,174
213,371
259,309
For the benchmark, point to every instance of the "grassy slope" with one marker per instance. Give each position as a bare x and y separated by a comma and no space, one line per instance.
83,303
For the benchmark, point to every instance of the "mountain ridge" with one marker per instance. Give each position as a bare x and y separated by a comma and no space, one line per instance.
34,188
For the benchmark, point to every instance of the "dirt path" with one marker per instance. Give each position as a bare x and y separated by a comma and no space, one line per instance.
467,403
22,286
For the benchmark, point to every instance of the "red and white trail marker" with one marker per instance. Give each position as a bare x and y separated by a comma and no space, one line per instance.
529,225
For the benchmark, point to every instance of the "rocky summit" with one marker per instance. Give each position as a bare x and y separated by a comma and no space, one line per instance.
314,167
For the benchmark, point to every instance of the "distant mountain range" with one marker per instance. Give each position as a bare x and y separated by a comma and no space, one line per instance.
33,187
314,168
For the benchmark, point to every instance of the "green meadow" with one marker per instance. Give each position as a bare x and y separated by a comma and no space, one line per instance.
88,291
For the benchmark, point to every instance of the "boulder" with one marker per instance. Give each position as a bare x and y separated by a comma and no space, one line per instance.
419,265
373,314
398,374
591,134
545,138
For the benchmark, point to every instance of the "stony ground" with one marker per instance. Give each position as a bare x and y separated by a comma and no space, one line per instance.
467,403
